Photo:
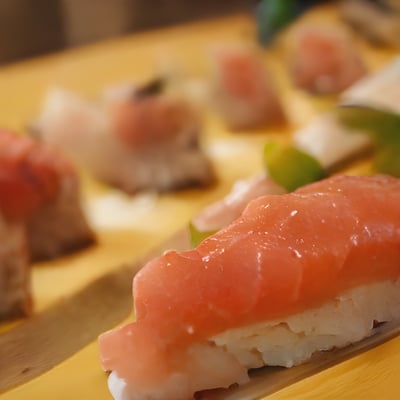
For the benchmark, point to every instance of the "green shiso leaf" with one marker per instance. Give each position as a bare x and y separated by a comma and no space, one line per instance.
196,236
291,167
383,127
272,16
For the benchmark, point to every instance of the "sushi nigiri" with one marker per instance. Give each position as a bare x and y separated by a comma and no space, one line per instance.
294,274
326,138
325,141
40,216
39,188
140,138
324,60
243,93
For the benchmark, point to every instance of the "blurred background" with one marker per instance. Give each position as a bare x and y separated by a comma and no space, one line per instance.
33,27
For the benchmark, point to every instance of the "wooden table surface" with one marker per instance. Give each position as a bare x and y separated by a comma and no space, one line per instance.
128,227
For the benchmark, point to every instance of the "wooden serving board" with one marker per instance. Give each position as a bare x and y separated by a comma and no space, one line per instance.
54,355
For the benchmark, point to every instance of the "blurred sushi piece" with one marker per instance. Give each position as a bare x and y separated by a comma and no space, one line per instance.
377,20
59,226
380,90
139,138
243,91
295,274
40,189
315,150
324,59
369,123
366,121
40,215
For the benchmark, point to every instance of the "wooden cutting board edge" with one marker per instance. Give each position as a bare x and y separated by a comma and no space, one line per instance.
50,337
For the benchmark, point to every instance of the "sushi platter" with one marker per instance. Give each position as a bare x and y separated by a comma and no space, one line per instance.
54,353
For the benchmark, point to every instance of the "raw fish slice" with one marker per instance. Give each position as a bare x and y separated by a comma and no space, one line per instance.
243,91
30,175
324,60
285,267
223,212
160,118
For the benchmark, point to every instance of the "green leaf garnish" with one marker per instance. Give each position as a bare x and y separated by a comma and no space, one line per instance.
291,167
272,16
196,236
387,160
383,127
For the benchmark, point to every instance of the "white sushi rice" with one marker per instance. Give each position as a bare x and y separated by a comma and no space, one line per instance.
211,367
224,360
346,319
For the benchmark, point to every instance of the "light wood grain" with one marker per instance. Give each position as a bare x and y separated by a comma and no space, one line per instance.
49,337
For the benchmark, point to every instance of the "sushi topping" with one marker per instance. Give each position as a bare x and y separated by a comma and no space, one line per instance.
150,119
244,92
323,60
220,214
152,88
291,167
29,174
